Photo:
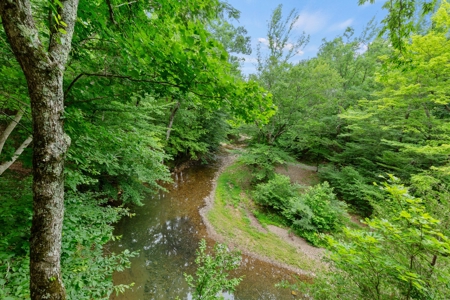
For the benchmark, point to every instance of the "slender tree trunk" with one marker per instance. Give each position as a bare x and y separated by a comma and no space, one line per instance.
172,117
44,70
5,134
4,166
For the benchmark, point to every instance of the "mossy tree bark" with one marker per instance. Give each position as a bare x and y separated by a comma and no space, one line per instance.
44,69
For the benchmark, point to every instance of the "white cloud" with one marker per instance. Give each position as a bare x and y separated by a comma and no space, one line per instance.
288,46
311,22
263,41
362,48
341,26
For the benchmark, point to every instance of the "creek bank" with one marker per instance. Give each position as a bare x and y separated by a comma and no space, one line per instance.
248,235
166,232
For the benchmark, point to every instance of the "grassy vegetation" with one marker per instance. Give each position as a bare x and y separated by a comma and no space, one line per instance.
231,218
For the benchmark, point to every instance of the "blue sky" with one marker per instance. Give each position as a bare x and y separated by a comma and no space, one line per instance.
318,18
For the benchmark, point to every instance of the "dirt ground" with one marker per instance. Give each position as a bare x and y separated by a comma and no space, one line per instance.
299,173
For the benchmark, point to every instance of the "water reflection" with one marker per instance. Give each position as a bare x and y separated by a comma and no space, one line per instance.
166,231
171,238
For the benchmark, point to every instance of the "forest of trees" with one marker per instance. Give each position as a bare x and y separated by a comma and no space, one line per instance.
99,99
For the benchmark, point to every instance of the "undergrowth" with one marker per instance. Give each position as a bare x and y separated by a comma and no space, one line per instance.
230,216
87,272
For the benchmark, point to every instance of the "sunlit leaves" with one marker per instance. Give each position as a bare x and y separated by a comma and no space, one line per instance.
211,277
404,254
400,22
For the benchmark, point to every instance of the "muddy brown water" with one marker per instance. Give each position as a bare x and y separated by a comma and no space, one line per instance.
166,232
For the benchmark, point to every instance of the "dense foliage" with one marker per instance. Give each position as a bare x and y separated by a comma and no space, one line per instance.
308,211
384,110
147,83
262,159
211,277
403,255
87,271
151,83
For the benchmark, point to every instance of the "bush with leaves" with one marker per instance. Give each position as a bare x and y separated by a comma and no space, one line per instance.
403,255
433,187
262,160
316,210
87,271
211,277
276,193
15,224
116,151
353,187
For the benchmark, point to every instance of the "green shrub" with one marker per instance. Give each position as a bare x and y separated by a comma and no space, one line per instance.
211,277
270,218
262,160
403,255
317,209
352,187
299,214
276,193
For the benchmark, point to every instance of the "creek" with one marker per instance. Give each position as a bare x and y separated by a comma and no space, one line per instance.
166,232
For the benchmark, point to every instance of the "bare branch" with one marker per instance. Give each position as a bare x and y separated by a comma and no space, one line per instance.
5,134
4,166
128,3
111,12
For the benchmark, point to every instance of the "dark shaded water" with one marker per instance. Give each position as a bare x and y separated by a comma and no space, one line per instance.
166,232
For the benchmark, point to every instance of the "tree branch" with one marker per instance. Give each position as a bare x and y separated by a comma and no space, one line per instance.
59,48
23,36
126,3
4,136
4,166
71,84
111,12
133,80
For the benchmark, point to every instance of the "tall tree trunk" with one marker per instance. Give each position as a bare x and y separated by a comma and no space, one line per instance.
50,146
44,72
